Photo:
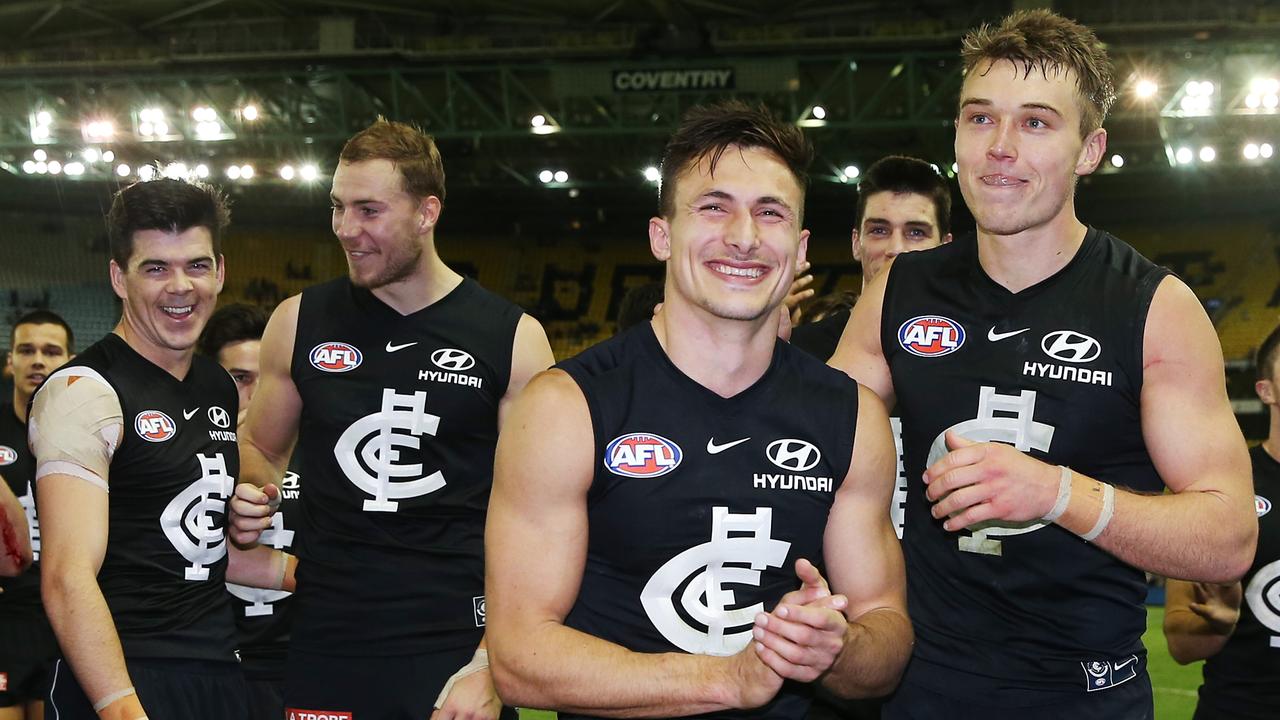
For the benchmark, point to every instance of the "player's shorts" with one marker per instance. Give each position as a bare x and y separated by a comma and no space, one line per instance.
1128,701
266,698
187,689
327,687
26,651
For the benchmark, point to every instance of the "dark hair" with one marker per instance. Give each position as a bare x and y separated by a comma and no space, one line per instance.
827,305
165,204
44,317
708,130
231,324
411,150
637,305
901,174
1267,355
1045,41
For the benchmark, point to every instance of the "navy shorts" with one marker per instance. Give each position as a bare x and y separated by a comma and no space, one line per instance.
27,650
1129,701
187,689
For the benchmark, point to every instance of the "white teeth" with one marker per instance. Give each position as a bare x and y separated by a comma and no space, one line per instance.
739,272
177,310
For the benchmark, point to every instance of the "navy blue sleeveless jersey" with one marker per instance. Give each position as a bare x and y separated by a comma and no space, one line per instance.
1021,613
264,616
20,596
396,442
701,505
176,465
1242,681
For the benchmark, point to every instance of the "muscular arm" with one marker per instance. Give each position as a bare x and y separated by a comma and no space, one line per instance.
1199,618
266,438
859,353
530,355
536,545
864,563
15,540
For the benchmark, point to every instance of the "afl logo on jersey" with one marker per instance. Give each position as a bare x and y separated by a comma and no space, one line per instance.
642,455
451,359
8,455
1070,346
931,336
1260,503
154,426
335,357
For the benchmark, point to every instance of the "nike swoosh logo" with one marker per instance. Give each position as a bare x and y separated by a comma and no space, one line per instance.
393,348
994,336
1117,666
715,449
188,415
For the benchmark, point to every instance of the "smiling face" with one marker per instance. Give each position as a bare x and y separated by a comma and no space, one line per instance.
38,350
382,227
734,238
1018,147
169,290
894,223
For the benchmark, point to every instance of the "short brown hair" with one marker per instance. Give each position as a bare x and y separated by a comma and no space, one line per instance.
1045,41
165,204
899,174
411,150
708,130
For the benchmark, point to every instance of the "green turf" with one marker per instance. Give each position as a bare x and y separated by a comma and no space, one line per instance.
1174,685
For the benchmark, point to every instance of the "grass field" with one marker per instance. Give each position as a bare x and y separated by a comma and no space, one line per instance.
1174,685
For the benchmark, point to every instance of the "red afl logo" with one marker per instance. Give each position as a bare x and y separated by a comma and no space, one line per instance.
154,426
335,357
641,455
931,336
8,455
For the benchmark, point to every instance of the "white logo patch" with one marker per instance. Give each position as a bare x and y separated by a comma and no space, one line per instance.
188,519
368,452
794,455
1070,346
28,503
452,359
721,629
1263,596
219,417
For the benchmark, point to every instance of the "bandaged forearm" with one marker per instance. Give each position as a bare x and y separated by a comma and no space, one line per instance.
120,705
479,661
1089,505
76,424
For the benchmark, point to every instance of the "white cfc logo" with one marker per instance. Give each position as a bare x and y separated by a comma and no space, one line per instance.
1016,426
1263,596
368,452
28,503
188,519
741,539
259,599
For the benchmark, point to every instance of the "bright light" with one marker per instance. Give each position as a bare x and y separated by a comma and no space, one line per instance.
1145,89
1184,155
538,121
29,167
99,129
561,176
1251,151
1265,150
74,168
40,155
851,171
1117,160
1252,101
55,167
955,167
151,115
202,170
204,114
819,112
40,132
108,156
1199,87
546,176
91,154
42,167
1263,86
176,171
246,172
208,130
652,174
309,173
146,173
233,172
122,170
1271,101
249,112
1207,154
44,117
287,172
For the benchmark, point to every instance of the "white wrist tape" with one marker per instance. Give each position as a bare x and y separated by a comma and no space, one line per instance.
108,699
1108,508
479,661
1064,496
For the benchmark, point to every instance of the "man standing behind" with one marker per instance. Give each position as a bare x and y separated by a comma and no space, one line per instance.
629,567
393,382
135,460
1235,628
41,342
1051,383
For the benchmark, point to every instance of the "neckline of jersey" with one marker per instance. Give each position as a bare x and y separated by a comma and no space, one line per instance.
150,367
650,343
1086,249
365,297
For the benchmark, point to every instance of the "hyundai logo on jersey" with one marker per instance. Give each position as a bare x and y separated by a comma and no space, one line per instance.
1070,346
1262,505
931,336
641,455
453,359
335,357
154,426
794,455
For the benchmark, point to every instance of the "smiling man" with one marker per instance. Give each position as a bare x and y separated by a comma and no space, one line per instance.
393,382
666,504
1052,384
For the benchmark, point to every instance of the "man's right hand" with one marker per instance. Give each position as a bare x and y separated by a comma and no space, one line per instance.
251,511
754,682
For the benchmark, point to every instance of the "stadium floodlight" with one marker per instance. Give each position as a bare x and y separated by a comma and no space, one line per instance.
40,133
204,113
233,172
546,176
309,173
147,173
1250,151
287,172
41,126
98,130
42,167
819,112
538,120
55,167
40,155
1145,88
1117,161
246,172
561,176
44,117
652,174
852,171
175,171
1265,150
74,169
108,156
122,170
249,112
1208,154
29,167
1184,156
202,170
91,154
